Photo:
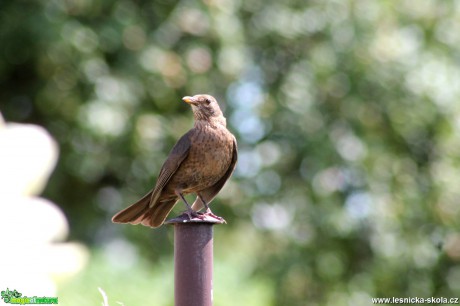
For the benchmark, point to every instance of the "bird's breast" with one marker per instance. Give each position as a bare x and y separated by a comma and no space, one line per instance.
208,160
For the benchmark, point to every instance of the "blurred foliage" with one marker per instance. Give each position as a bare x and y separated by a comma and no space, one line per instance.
346,114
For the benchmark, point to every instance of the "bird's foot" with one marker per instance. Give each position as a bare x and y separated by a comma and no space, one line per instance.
191,216
209,213
194,214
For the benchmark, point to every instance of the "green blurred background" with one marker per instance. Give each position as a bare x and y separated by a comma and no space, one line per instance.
347,116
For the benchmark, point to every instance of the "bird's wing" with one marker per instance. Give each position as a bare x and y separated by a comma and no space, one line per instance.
209,193
177,155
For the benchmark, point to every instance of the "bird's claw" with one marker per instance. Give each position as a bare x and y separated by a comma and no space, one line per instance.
197,217
212,215
204,216
194,214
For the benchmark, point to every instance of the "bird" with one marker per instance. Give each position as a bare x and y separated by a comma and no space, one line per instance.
200,162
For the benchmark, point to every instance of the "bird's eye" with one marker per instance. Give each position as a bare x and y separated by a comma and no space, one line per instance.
208,101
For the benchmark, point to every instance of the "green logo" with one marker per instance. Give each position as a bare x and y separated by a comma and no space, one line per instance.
15,297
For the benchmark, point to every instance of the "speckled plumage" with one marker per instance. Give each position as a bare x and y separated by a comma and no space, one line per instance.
201,162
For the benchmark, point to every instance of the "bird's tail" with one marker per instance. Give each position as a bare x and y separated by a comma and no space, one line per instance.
156,216
134,213
141,212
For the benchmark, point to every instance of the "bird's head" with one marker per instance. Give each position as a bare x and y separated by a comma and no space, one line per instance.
205,107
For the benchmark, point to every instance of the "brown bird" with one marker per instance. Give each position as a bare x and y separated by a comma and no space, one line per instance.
200,162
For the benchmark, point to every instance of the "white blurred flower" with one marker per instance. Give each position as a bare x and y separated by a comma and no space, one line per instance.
32,228
27,156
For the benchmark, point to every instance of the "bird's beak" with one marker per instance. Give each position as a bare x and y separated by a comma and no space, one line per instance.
189,100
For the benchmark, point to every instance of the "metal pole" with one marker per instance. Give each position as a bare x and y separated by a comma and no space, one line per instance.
193,260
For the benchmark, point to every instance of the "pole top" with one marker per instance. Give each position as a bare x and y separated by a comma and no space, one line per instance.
203,218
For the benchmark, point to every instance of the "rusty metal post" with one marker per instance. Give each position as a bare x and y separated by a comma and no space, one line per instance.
193,260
